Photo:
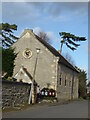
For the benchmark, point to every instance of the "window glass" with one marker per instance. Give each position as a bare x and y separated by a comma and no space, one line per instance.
65,82
69,83
60,81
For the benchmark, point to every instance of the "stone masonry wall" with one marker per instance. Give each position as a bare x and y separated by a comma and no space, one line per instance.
46,69
14,94
46,64
64,92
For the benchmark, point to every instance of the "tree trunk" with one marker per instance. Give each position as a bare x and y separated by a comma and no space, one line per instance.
61,47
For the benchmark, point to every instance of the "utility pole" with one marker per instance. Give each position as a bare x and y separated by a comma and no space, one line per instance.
34,72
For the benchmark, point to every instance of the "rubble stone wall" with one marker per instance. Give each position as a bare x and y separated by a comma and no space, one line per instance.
14,94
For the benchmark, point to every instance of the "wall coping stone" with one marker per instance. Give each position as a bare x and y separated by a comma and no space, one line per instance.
14,82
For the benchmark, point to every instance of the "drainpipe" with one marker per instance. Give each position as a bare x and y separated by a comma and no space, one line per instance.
32,87
72,86
56,74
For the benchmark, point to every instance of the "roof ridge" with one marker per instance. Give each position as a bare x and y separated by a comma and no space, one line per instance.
44,42
55,52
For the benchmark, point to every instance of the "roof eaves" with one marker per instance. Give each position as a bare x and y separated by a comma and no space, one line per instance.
55,52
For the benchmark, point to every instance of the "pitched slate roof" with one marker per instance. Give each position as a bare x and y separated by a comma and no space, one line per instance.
57,54
52,49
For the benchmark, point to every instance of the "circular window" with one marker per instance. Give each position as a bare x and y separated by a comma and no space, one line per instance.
27,53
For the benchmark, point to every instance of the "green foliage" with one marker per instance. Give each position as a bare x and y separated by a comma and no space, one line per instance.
70,39
8,57
6,31
82,84
88,84
88,95
0,59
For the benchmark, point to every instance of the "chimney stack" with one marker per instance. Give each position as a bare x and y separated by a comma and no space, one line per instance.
28,30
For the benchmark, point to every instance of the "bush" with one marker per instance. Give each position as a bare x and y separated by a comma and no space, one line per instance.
88,95
8,57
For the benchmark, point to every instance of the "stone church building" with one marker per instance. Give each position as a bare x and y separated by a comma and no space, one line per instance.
36,58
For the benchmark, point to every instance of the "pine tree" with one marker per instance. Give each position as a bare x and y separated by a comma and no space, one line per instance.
70,40
82,83
8,57
6,31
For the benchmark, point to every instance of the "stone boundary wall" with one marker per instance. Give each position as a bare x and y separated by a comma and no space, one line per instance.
14,94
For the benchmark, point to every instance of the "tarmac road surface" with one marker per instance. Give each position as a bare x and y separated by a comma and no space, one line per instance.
75,109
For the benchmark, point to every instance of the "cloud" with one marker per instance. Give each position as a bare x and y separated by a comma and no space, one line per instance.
32,11
18,12
54,40
55,9
37,30
50,34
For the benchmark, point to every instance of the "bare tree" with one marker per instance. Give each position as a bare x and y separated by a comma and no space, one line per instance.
69,58
44,36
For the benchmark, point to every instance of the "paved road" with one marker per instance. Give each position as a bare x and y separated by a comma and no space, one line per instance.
76,109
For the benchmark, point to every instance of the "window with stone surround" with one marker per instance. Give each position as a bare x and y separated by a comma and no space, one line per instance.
69,83
65,81
60,79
